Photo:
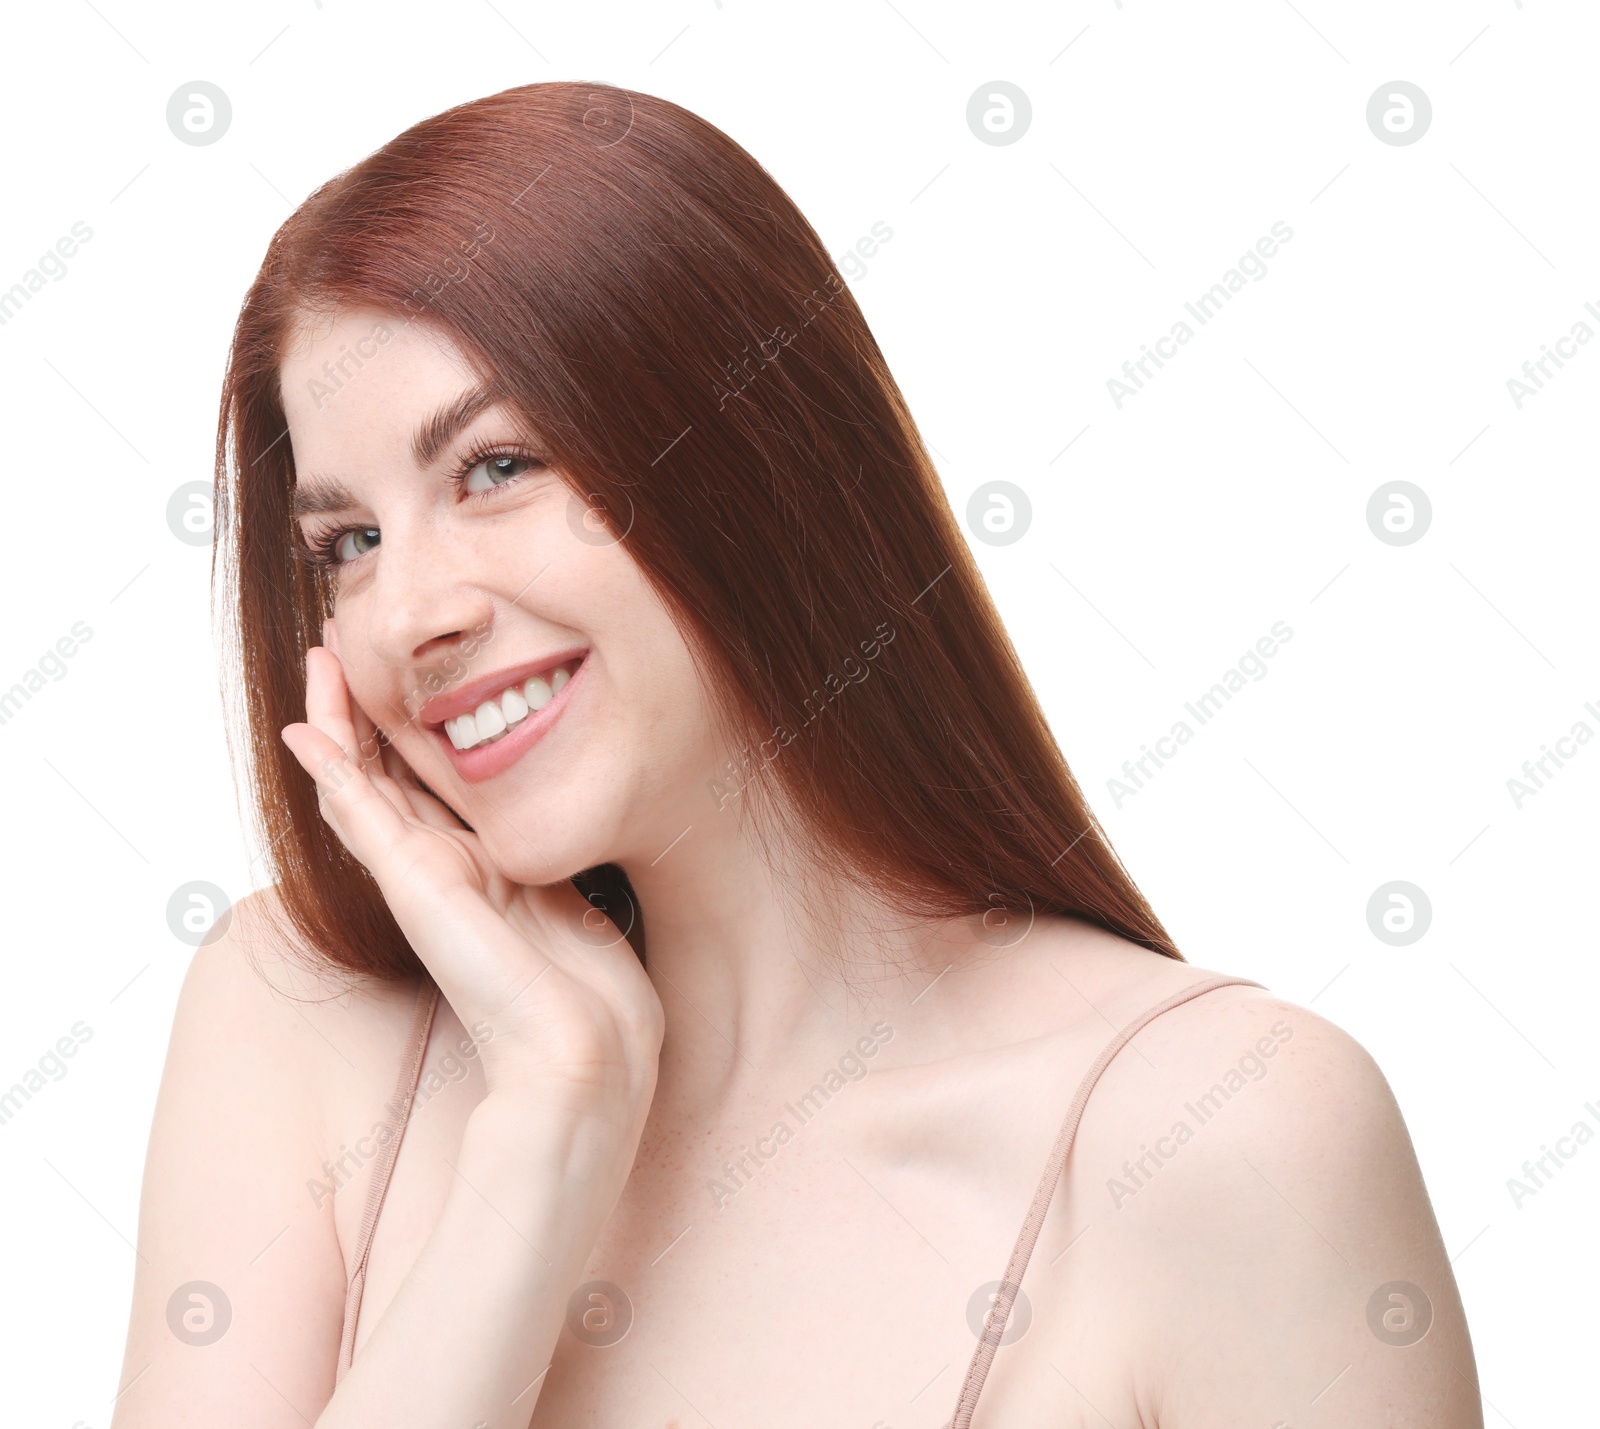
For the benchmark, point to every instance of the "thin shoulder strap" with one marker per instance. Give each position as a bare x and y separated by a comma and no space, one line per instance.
399,1113
1000,1314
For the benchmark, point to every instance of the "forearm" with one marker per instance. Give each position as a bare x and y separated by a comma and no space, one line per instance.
474,1324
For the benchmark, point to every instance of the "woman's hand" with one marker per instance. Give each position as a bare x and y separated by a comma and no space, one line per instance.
569,1024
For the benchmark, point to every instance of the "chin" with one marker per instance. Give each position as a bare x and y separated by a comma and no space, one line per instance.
528,851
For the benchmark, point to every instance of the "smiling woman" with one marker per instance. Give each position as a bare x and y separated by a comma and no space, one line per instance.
608,255
537,630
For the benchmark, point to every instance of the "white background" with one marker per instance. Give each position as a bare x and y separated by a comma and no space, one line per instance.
1166,536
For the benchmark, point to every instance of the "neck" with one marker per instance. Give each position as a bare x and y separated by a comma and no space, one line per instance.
763,960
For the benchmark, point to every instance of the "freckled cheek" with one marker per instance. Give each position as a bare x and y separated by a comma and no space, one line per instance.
508,555
533,527
353,610
392,711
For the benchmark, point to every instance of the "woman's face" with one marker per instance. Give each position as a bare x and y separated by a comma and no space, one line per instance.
503,641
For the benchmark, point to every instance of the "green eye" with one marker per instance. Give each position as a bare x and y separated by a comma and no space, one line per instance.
356,543
495,471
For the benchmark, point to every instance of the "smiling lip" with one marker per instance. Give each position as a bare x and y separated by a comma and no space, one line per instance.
484,761
436,711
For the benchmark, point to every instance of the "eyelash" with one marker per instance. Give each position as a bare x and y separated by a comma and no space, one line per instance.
319,550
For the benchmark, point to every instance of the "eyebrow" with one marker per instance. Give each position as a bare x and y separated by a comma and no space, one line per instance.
323,494
435,434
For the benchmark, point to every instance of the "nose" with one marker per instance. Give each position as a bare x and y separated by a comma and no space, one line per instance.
423,605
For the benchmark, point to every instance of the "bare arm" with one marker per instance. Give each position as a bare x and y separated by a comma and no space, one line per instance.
239,1282
569,1057
472,1329
1271,1222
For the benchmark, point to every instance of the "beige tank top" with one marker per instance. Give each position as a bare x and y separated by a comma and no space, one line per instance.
1000,1315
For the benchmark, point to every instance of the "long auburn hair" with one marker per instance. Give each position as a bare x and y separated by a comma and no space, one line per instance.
653,302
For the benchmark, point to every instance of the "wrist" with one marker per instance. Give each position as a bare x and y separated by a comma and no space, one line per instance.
524,1138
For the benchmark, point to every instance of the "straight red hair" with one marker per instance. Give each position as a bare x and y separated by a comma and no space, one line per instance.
652,302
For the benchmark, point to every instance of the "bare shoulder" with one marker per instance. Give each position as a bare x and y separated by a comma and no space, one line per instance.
264,1019
234,1251
1243,1162
260,962
260,985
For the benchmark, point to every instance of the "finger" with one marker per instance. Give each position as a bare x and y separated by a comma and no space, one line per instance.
395,766
430,810
328,700
333,709
367,823
423,803
338,716
390,773
384,782
368,739
372,742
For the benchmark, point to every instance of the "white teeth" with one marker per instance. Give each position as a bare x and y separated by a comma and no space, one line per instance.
494,718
